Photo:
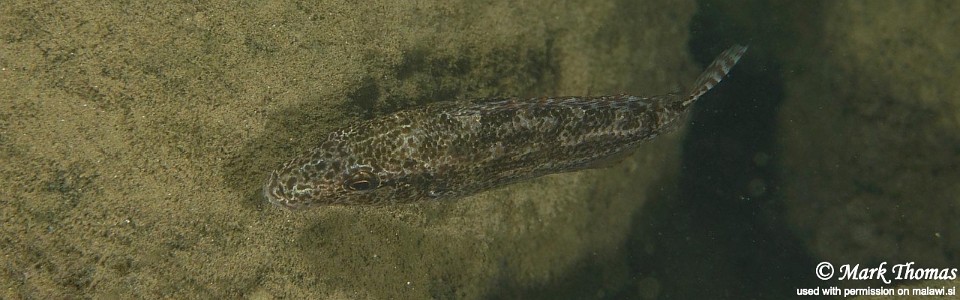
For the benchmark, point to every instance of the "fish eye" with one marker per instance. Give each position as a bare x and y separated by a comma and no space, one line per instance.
362,181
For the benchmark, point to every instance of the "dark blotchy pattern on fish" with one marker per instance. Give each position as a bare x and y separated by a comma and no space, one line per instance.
453,149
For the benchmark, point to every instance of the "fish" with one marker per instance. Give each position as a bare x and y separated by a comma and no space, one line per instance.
448,150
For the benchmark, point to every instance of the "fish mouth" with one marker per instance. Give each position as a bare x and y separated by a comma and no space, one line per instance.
269,193
275,193
277,200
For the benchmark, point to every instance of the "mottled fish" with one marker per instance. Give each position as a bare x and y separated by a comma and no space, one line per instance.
452,149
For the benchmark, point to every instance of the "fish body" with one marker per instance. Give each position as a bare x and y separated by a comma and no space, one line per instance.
448,150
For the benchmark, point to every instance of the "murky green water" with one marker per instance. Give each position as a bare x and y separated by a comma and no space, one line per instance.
135,137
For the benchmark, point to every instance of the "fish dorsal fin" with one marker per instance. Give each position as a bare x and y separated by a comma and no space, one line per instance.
714,73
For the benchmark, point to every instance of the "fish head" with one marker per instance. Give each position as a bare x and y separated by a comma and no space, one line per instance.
347,169
298,186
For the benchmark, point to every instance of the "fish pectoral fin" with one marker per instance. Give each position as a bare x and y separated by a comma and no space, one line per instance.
611,160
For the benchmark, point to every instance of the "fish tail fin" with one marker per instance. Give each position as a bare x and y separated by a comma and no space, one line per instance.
714,73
